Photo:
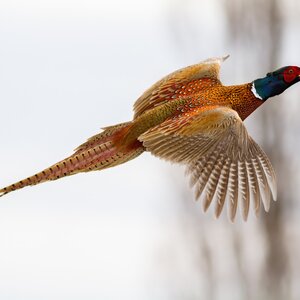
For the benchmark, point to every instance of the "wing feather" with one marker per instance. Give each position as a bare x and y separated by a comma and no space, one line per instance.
202,173
233,191
262,183
223,161
254,188
204,176
244,188
270,174
222,188
180,83
212,183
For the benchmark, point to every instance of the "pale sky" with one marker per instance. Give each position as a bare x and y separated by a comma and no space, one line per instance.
68,68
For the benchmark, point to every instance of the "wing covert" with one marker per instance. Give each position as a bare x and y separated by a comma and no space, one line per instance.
180,83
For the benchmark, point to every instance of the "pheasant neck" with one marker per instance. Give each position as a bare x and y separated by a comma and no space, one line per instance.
255,93
260,90
270,86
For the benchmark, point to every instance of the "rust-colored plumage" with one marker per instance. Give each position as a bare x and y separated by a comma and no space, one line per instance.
188,117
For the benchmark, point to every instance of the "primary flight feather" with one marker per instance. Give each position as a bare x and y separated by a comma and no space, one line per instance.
189,117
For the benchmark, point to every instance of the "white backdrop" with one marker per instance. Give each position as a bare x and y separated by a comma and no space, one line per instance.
68,68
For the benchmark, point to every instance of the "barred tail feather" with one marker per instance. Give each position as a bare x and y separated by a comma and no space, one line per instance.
99,152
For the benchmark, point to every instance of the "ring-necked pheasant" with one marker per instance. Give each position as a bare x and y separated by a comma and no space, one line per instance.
189,117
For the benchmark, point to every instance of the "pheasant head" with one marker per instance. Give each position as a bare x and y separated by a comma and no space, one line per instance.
276,82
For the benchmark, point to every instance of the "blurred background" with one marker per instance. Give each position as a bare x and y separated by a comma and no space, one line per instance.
68,68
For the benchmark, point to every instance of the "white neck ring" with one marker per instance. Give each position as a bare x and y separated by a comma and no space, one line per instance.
254,92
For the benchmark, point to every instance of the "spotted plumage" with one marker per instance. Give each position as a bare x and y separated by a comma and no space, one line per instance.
190,118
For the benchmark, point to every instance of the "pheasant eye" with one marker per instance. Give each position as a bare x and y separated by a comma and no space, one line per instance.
289,74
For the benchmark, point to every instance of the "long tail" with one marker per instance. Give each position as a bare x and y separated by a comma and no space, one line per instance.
101,151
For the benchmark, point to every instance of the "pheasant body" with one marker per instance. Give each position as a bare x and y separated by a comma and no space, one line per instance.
189,117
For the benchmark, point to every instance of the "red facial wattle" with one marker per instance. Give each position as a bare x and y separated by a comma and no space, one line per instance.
290,74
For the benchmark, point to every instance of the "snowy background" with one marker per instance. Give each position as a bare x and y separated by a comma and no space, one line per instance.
68,68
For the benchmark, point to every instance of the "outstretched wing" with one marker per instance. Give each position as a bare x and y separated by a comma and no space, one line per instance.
180,83
223,161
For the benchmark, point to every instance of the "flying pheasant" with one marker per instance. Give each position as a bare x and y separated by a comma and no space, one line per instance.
189,117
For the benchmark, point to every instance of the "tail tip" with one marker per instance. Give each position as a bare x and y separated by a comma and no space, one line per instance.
3,192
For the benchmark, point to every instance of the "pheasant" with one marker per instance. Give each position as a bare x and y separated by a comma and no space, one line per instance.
190,118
